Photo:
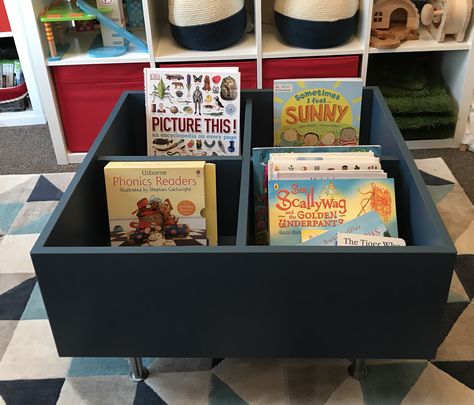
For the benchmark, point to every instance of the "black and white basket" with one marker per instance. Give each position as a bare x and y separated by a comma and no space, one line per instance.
207,25
316,23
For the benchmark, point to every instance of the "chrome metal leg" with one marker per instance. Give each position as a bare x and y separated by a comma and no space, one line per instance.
357,369
138,372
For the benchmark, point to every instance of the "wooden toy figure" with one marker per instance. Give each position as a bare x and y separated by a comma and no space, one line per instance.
447,17
393,21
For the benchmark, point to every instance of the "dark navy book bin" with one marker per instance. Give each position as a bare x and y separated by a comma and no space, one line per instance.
238,299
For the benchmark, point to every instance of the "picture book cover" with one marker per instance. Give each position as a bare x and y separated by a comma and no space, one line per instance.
312,112
260,158
324,204
367,224
192,112
161,203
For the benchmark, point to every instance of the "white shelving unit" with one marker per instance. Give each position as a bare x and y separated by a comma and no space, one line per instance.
80,43
456,58
34,115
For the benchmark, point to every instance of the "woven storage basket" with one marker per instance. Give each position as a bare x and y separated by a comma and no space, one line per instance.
207,25
316,23
14,98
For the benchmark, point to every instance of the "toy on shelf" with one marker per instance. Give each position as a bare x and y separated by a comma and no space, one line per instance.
447,17
115,14
393,21
112,25
109,43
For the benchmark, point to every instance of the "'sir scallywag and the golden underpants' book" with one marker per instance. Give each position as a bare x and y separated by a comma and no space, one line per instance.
317,112
161,203
295,205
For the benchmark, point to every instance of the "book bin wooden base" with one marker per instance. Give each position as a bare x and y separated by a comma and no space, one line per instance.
238,299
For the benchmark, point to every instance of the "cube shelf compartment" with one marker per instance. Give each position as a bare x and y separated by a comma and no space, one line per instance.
239,299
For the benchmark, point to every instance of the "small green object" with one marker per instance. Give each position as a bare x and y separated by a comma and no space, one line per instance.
160,89
66,12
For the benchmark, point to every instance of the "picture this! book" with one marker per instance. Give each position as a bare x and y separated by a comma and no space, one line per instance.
193,112
323,204
161,203
317,112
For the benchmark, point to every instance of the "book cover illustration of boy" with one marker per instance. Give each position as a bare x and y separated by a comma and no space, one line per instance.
317,112
192,112
324,204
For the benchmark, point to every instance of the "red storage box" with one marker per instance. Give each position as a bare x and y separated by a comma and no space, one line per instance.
248,70
340,66
87,95
4,24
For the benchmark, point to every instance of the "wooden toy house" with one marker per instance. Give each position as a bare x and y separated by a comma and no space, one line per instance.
393,21
388,12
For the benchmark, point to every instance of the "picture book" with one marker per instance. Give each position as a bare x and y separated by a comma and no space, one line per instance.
351,239
192,112
367,224
324,204
260,158
161,203
327,175
312,112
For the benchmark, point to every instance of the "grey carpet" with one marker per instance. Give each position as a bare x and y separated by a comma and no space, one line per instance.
29,149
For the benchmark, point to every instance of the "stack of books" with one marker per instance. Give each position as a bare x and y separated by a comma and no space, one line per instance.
314,196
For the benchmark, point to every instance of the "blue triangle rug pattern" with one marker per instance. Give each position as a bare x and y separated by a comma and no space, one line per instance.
48,379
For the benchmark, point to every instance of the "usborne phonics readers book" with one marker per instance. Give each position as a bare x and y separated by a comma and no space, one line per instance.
161,203
323,204
312,112
192,112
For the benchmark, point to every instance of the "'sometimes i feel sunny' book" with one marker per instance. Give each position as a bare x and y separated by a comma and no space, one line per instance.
317,112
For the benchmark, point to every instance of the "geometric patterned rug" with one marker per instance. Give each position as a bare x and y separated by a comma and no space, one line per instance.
32,373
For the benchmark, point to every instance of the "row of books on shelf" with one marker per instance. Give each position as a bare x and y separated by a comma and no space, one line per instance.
315,187
10,73
313,196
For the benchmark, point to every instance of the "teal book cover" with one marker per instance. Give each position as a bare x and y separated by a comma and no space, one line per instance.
317,112
320,205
